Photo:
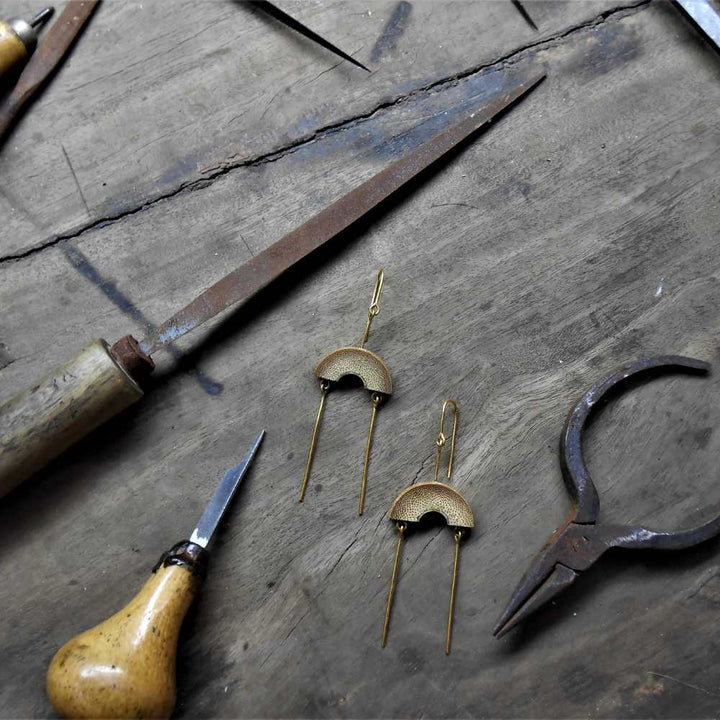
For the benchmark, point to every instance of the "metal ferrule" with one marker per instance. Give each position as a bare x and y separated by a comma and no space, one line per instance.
188,554
25,32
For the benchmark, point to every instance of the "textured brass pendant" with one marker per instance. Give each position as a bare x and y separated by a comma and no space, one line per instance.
416,501
375,377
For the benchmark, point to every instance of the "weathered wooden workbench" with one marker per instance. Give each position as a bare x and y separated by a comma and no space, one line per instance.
579,232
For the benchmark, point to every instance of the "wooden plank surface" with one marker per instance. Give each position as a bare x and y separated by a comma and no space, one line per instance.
158,99
578,233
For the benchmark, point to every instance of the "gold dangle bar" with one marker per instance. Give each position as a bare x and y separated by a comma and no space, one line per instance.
376,400
393,582
324,386
456,560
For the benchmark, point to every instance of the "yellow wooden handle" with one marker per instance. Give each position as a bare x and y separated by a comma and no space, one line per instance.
12,50
125,667
75,398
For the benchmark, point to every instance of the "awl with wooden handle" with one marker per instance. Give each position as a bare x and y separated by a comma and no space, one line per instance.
55,45
125,666
92,387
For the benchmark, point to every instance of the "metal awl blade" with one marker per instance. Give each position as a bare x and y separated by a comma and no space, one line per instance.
244,282
526,15
223,495
706,15
296,25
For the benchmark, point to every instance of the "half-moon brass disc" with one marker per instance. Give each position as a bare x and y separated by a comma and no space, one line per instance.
418,500
362,363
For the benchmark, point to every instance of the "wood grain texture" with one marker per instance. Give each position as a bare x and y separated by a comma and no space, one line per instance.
149,104
578,233
125,666
39,423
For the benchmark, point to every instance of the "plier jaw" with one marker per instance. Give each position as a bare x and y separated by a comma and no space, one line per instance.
569,550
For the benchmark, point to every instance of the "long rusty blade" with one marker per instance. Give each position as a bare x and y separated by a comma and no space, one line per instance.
259,271
56,43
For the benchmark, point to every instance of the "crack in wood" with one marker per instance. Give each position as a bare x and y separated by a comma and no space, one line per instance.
434,87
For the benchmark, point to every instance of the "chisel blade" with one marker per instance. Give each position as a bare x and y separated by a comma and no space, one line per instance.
223,495
244,282
706,15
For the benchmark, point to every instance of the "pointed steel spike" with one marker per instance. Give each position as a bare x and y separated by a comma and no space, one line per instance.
291,22
216,508
526,15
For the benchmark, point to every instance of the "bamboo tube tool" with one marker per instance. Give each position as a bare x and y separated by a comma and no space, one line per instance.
125,666
40,423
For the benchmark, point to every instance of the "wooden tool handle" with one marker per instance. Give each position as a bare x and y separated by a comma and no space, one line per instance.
39,423
125,666
12,51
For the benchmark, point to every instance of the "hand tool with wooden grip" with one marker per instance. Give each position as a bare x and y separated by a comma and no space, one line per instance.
125,666
75,398
18,39
44,62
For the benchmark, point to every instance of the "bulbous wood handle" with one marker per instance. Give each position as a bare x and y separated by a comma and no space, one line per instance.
125,666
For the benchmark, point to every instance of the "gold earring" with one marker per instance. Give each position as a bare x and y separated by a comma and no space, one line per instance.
374,374
417,500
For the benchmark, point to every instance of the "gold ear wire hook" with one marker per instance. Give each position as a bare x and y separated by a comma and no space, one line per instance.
442,440
374,308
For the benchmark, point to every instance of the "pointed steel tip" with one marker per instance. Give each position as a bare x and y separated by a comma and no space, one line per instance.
257,442
505,623
500,630
535,78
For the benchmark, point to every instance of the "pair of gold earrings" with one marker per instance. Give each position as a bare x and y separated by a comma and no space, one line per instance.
416,501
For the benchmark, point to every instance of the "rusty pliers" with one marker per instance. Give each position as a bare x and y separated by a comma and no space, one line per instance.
581,541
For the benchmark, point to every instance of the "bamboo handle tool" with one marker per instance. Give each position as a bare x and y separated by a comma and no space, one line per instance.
75,398
125,666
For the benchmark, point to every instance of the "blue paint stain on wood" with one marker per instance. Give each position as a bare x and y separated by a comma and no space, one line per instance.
376,136
111,291
393,30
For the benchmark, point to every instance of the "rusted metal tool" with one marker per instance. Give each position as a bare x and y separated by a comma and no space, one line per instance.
53,48
38,424
581,541
291,22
